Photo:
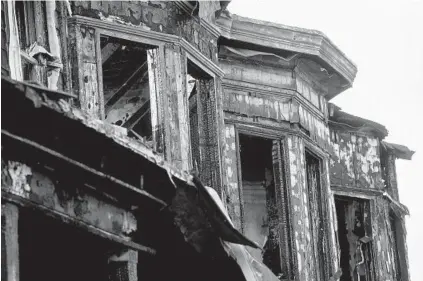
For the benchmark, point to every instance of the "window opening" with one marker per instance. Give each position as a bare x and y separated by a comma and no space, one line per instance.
260,216
354,239
126,85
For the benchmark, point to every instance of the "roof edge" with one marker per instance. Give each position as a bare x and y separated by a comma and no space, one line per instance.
400,151
295,39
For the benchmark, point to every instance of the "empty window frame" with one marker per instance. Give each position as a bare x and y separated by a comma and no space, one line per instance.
264,202
127,82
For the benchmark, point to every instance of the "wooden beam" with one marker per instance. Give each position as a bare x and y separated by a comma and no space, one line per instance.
83,166
139,72
10,215
68,220
138,115
108,51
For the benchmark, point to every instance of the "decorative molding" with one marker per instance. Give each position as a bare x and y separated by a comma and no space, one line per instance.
212,28
305,41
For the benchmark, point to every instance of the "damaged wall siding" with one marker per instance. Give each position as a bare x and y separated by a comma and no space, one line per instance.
84,69
24,181
355,161
277,108
384,260
389,173
156,16
333,227
300,220
230,156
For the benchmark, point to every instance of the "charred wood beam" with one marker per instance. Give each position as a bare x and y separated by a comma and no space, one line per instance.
74,222
108,51
58,155
138,115
139,72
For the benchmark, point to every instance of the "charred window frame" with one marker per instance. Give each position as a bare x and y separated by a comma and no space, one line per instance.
318,214
283,229
200,85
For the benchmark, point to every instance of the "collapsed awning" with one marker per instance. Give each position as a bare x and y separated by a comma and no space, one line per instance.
400,151
234,242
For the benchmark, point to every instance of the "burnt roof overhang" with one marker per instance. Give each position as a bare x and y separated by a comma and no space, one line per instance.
352,123
400,151
38,121
310,44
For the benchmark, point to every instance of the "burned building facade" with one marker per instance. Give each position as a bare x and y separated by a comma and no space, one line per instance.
107,108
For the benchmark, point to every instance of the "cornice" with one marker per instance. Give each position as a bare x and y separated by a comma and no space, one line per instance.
152,37
300,40
211,28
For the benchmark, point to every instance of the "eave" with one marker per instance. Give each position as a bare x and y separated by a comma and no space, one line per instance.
400,151
312,43
352,123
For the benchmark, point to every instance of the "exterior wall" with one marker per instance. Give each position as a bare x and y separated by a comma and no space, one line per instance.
355,161
286,101
276,102
360,168
163,17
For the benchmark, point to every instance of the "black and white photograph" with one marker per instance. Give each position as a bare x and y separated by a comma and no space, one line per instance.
243,140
